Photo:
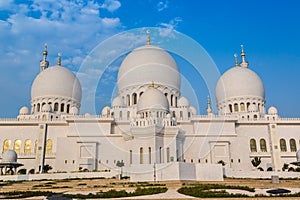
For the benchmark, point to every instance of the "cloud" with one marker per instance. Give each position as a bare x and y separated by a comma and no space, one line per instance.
111,5
162,5
167,28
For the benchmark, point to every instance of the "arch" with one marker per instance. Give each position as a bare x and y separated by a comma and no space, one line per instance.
38,107
263,146
236,107
293,145
134,98
242,107
130,156
171,99
17,146
6,145
248,104
253,147
27,146
56,106
141,93
141,155
230,108
68,108
255,116
174,114
49,144
168,154
149,152
128,100
160,155
282,145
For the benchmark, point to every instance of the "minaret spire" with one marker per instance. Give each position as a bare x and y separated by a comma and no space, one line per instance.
236,60
208,110
149,39
59,59
44,64
244,63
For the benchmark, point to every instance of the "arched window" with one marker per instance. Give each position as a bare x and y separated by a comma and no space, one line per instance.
253,145
230,108
174,114
236,107
128,100
49,146
248,104
141,93
38,107
172,100
168,154
149,155
6,145
242,105
68,108
141,155
134,98
130,156
176,101
27,147
35,146
293,146
62,107
17,146
56,106
263,146
160,154
282,145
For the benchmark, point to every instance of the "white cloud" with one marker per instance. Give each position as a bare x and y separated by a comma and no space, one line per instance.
5,4
111,5
167,28
162,5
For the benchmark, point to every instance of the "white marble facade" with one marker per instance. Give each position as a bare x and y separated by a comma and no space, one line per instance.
149,123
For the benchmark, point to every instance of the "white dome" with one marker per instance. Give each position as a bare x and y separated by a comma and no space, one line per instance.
105,111
9,156
74,110
118,102
153,99
24,111
46,108
56,81
183,102
298,155
272,111
252,108
239,82
147,64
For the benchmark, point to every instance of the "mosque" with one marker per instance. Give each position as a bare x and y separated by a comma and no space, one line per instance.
150,124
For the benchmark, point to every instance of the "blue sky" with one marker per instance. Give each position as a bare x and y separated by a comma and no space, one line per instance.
268,29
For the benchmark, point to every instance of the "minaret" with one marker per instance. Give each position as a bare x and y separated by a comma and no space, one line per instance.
244,63
208,110
44,64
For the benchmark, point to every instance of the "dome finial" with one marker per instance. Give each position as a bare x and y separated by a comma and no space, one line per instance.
45,52
44,64
236,60
148,33
59,59
244,63
152,85
208,110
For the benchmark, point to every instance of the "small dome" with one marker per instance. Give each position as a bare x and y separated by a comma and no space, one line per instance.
9,156
87,114
183,102
272,111
118,102
24,111
153,99
252,108
56,81
239,82
298,155
74,110
46,108
146,64
105,111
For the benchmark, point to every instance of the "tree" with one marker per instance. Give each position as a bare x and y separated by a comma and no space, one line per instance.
256,161
121,165
47,168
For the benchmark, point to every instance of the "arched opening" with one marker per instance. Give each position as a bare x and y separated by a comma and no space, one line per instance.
27,147
68,108
242,105
62,107
128,100
168,154
134,98
253,147
6,145
38,107
49,144
248,104
230,108
130,156
236,107
141,155
141,93
160,155
172,100
174,114
149,155
56,106
282,145
17,146
263,146
255,116
293,145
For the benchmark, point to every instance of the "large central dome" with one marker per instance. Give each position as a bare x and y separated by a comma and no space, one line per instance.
147,64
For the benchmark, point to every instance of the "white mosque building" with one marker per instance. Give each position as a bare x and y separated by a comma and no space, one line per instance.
150,123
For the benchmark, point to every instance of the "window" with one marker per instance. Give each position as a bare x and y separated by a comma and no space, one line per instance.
263,146
68,108
56,107
236,107
128,100
141,155
172,100
149,155
38,107
62,107
49,146
160,154
6,145
130,156
27,147
242,105
17,146
253,145
282,145
230,108
293,146
168,154
134,98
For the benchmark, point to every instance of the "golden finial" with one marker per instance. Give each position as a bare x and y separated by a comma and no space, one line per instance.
59,59
45,53
148,33
208,100
243,53
152,85
236,60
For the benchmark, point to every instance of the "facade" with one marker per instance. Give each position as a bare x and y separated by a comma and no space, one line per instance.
150,124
